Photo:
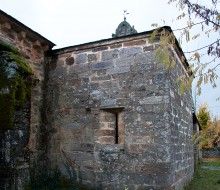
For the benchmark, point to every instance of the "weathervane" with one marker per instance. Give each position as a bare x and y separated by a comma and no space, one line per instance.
125,13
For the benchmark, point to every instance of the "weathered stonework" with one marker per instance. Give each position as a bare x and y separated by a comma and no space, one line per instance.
118,116
106,110
16,144
14,157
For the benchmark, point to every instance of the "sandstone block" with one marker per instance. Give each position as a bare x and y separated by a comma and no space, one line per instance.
115,46
121,139
101,48
107,140
151,48
135,43
107,132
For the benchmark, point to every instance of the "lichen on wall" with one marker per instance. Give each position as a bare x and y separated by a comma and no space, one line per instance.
15,84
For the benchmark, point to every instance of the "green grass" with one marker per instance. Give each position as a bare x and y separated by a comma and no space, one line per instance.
206,179
212,163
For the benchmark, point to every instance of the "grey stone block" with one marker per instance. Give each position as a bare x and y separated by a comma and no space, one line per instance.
127,52
92,57
142,58
96,95
118,70
101,78
110,103
124,61
82,58
113,54
155,100
102,65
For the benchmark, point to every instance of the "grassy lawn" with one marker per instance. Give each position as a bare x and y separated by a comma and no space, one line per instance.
206,179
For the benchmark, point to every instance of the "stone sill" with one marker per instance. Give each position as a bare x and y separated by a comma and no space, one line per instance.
110,148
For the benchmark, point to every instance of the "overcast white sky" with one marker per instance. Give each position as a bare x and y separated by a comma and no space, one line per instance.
72,22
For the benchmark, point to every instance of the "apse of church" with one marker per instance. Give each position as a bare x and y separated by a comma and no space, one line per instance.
106,108
118,115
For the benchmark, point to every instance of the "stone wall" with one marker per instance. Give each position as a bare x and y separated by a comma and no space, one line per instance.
104,110
197,150
181,128
115,117
14,156
32,47
16,144
211,153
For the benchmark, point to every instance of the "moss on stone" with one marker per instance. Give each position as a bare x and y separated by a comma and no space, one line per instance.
15,84
23,67
6,47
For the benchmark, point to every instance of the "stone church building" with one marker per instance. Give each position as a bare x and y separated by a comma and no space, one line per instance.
106,109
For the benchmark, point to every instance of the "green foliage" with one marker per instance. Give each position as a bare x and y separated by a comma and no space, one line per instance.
203,115
212,134
153,35
15,84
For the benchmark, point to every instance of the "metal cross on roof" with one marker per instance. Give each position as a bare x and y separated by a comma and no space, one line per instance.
125,13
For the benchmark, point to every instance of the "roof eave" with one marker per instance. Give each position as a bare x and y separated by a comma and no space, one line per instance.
20,25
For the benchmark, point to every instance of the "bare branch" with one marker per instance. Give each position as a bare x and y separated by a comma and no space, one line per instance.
204,15
203,47
178,29
208,71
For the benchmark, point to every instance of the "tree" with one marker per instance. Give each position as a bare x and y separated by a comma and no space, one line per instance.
203,115
214,131
209,136
209,21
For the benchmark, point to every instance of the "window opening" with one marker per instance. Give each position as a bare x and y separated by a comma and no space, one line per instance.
116,128
118,135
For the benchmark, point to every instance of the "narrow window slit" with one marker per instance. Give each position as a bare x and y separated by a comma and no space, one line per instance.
113,132
116,128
